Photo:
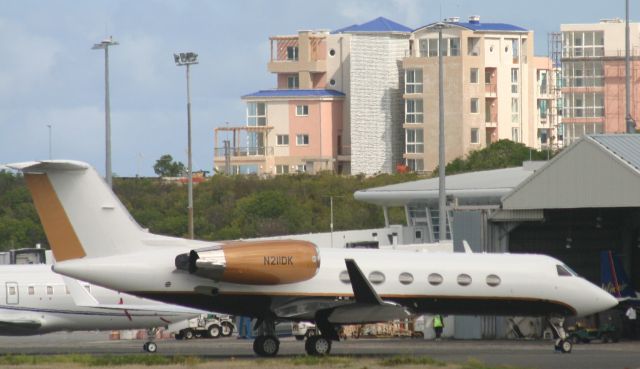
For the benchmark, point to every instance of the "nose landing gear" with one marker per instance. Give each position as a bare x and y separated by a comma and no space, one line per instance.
562,342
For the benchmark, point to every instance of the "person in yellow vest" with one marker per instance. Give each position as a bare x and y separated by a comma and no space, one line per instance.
438,325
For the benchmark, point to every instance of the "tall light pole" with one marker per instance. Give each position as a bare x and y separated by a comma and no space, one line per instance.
631,124
104,44
442,191
187,59
50,155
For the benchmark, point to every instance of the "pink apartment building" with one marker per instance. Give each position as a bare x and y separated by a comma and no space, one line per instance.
593,70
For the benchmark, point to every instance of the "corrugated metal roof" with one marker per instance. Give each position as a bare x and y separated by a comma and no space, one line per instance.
484,187
379,24
295,93
496,27
624,146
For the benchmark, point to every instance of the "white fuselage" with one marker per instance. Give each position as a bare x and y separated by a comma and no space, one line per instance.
491,284
35,300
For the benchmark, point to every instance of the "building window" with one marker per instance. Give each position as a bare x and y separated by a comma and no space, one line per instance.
429,47
282,169
515,110
474,136
283,140
454,46
302,110
301,168
578,44
302,140
256,114
514,80
515,50
473,46
584,105
473,75
292,53
414,141
515,134
413,81
293,82
583,74
413,111
416,165
474,105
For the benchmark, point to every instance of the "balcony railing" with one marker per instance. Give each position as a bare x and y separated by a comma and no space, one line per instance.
244,151
491,88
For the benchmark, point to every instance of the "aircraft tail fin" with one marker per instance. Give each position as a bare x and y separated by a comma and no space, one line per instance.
80,214
613,277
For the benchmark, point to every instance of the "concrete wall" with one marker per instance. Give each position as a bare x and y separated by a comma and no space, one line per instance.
376,106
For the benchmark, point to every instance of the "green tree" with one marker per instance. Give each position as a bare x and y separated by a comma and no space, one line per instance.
166,167
500,154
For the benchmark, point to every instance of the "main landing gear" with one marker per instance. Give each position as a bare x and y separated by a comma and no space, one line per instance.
317,345
562,342
150,346
266,344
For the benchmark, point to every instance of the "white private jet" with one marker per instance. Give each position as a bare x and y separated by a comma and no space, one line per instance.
34,300
94,238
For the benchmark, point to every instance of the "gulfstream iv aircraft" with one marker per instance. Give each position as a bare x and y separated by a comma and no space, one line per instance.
94,238
35,300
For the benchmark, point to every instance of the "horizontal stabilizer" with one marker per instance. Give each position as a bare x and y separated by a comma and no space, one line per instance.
40,166
363,292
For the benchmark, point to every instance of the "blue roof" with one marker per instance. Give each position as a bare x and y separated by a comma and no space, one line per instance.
477,26
295,93
379,24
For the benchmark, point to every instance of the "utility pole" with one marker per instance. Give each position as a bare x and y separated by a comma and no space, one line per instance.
107,105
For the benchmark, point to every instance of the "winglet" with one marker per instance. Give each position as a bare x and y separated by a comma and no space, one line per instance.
362,289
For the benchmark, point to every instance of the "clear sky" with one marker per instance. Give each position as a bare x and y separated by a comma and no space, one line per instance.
50,76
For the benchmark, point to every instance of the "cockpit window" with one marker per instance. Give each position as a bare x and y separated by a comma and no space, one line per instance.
563,271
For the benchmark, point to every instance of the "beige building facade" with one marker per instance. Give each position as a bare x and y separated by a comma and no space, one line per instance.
491,90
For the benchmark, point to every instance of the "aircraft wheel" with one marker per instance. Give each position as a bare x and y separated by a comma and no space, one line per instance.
213,331
565,346
317,346
227,329
150,347
266,346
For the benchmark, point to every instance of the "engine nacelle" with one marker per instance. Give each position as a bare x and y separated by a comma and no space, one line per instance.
257,262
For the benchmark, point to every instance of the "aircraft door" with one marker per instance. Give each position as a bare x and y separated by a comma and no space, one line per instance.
12,293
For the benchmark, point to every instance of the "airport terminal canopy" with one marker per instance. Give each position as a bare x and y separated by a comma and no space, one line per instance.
475,188
599,171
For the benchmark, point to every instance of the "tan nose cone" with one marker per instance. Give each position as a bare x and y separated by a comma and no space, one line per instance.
270,262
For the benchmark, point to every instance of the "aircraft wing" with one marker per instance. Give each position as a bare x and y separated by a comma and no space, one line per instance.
82,297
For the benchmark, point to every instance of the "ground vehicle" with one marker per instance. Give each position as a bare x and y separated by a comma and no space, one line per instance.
302,330
607,333
206,325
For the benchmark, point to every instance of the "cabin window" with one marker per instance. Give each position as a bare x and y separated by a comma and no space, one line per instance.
493,280
435,279
563,271
464,279
31,290
12,291
376,277
49,290
344,277
406,278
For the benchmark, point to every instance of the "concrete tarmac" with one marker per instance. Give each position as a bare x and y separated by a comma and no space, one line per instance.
521,354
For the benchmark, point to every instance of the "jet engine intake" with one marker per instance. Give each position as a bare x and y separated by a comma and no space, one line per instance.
256,263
